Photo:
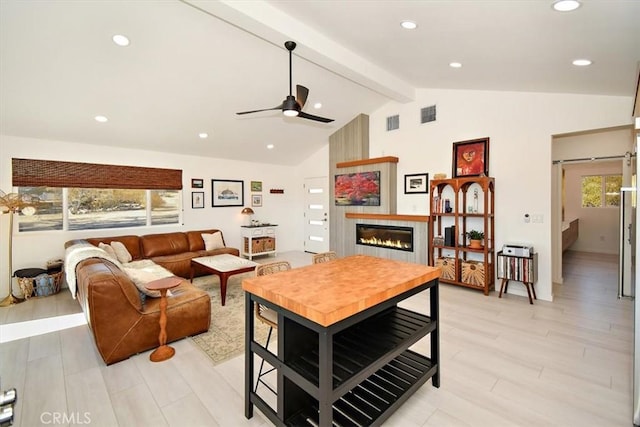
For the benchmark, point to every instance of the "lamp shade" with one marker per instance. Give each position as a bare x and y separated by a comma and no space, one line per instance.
247,211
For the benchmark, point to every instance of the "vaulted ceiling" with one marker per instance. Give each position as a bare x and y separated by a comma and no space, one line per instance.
193,64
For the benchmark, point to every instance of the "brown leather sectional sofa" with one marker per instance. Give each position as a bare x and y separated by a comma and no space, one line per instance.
121,324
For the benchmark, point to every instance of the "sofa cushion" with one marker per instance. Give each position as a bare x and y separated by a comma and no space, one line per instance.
108,248
132,243
154,245
195,239
213,241
121,252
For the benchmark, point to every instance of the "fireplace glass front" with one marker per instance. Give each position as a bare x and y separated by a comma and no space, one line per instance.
385,236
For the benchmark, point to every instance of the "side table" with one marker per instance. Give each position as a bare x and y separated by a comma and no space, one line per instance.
163,352
519,268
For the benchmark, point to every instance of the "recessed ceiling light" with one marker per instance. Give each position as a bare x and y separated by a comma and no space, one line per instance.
455,64
101,119
408,25
270,146
203,135
566,5
317,105
121,40
581,62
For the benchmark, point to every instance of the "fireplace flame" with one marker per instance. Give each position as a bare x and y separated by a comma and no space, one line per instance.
386,243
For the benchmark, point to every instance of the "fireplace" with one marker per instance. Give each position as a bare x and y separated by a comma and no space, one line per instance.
385,236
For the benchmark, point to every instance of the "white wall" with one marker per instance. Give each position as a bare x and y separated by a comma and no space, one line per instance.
35,248
520,126
599,230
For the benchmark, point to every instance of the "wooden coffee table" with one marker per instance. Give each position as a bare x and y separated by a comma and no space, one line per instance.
223,266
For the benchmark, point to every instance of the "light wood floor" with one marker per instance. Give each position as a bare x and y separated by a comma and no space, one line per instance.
504,363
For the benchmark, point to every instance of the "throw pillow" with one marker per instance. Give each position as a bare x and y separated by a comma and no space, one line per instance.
213,241
121,251
108,249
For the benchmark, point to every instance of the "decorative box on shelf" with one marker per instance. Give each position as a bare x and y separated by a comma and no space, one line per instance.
473,272
448,266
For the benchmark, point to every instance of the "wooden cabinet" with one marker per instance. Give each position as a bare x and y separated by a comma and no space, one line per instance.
258,240
457,206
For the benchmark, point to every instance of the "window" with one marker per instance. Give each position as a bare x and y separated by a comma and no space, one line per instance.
601,191
94,208
84,196
48,204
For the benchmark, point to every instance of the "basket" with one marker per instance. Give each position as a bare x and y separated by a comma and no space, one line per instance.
448,266
473,273
47,284
42,285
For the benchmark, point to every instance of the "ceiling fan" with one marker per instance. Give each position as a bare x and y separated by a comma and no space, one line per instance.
292,106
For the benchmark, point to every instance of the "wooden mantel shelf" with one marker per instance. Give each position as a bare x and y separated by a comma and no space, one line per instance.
387,159
387,217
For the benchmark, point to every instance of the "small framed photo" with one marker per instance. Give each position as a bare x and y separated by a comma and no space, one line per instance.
256,186
416,183
471,158
197,183
227,192
256,200
197,200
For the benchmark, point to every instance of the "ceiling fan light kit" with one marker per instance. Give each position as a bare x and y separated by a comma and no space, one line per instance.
292,106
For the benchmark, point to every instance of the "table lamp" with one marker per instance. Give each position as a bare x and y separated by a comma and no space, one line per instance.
10,204
248,212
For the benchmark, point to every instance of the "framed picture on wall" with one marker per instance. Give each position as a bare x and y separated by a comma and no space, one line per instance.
227,192
256,200
197,200
471,158
416,183
197,183
357,189
256,186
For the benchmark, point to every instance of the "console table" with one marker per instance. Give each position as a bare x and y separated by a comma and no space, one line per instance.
343,341
258,240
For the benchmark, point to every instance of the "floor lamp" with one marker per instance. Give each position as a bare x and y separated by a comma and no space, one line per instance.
10,204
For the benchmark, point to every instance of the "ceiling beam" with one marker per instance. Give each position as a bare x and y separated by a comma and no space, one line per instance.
271,24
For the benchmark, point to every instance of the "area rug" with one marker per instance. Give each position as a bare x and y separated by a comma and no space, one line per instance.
225,338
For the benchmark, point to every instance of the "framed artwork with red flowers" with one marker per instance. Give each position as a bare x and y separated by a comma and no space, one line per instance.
357,189
471,158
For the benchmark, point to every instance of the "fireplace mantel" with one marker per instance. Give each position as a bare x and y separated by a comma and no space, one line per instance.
387,217
387,159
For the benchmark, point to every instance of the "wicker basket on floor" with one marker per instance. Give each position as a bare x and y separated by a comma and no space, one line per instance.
42,285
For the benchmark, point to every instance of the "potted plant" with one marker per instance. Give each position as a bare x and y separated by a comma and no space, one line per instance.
475,239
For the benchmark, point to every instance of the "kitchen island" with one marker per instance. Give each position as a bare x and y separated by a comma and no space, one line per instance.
343,342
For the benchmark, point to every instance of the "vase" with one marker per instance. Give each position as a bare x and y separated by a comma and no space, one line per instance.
475,244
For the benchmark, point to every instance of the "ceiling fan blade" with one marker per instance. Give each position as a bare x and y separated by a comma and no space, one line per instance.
301,95
279,107
312,117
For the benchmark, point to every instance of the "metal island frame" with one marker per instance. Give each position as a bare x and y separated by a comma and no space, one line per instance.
343,354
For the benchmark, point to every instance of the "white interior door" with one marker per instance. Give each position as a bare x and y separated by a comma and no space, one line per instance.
316,214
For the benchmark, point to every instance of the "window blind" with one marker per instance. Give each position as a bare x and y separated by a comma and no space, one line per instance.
51,173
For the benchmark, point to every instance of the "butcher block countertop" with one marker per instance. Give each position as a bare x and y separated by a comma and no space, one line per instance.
330,292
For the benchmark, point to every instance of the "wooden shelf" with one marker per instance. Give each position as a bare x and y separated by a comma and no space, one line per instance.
387,159
390,217
470,264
